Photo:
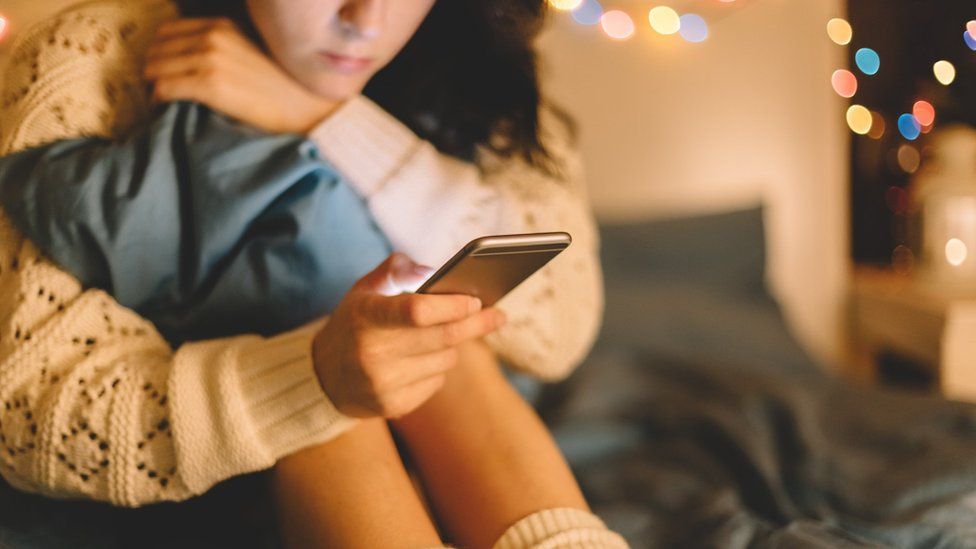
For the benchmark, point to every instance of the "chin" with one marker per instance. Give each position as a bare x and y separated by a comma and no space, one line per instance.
336,87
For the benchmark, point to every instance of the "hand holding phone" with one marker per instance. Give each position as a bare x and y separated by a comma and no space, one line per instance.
491,266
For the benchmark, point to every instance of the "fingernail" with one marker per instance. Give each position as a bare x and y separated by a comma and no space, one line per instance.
423,270
474,305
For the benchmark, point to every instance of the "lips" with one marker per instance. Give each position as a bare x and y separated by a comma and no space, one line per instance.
345,63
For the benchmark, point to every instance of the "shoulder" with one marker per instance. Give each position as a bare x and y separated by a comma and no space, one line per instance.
99,28
75,72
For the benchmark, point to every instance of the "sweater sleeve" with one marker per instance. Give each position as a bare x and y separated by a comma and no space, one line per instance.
93,402
430,204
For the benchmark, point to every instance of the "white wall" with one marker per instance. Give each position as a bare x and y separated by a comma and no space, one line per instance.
671,127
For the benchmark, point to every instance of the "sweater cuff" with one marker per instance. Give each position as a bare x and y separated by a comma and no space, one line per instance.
285,401
243,403
365,143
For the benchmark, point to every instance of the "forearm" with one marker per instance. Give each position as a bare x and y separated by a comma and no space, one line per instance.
100,407
430,204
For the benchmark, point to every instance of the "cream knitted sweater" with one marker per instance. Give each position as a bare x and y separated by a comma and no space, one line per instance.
95,404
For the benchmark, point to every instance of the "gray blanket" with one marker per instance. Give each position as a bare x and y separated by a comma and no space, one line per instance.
679,454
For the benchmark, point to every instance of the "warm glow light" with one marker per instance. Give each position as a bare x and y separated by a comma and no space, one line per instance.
867,60
565,5
877,125
588,12
945,72
3,27
617,24
924,112
859,119
844,83
909,127
839,31
956,252
909,158
664,20
693,28
971,27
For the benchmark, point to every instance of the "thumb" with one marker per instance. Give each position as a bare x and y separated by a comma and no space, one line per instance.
396,275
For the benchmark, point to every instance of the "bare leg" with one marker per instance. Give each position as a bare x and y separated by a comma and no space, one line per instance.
485,457
350,492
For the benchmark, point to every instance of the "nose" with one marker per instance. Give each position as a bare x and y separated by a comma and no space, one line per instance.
363,18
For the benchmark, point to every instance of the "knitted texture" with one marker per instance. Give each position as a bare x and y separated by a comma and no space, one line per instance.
79,73
560,528
93,402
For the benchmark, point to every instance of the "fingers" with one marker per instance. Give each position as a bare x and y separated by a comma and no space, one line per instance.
419,311
181,65
178,46
191,25
452,334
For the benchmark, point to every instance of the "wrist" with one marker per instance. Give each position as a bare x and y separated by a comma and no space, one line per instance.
311,112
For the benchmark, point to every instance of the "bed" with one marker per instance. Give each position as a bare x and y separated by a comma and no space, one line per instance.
697,421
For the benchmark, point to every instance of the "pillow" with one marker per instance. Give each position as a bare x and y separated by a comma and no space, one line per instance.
693,288
722,251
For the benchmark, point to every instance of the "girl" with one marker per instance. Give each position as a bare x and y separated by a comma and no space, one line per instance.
147,425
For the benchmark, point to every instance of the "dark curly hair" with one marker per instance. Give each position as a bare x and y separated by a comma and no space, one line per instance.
467,78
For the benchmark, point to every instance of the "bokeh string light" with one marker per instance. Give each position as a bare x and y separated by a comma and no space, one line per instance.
921,120
878,125
956,252
859,119
565,5
924,112
661,18
617,24
909,159
664,20
844,83
840,31
868,61
693,27
969,39
909,127
945,72
4,24
588,13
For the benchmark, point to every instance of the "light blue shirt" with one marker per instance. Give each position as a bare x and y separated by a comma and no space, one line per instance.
203,225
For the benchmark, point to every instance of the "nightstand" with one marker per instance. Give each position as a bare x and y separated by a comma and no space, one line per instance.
891,315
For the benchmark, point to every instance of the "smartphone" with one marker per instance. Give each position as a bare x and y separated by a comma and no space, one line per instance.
491,266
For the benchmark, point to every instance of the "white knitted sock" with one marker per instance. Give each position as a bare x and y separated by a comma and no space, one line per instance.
560,528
